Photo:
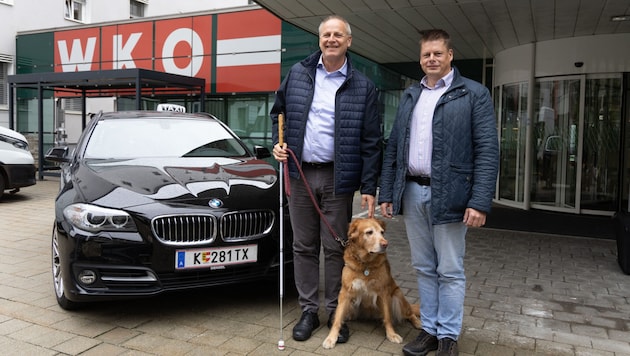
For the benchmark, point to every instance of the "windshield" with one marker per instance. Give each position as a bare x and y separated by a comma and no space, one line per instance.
147,137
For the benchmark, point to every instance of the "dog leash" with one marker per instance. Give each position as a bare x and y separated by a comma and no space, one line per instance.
343,242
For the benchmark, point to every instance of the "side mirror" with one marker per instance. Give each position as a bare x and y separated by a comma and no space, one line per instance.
261,152
58,154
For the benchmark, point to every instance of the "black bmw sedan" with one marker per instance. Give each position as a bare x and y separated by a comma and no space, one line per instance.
154,201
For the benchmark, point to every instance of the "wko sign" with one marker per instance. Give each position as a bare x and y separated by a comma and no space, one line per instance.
241,52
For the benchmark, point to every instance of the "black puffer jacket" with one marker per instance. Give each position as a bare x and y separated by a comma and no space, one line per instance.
358,133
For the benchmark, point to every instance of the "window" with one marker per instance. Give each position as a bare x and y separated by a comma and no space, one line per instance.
72,104
4,67
136,8
75,10
248,118
513,122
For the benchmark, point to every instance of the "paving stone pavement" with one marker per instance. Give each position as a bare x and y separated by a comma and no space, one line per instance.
527,294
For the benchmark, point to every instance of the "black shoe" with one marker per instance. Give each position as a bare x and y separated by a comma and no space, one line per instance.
447,347
421,346
304,328
344,332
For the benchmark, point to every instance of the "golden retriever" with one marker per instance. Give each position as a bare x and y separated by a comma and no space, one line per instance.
367,286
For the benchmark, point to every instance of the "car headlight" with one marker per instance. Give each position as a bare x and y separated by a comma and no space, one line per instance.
23,145
94,218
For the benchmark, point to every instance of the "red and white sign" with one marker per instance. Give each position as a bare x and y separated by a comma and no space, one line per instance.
183,46
248,52
77,50
248,49
127,46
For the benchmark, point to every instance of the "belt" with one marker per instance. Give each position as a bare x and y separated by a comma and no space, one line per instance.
422,180
317,164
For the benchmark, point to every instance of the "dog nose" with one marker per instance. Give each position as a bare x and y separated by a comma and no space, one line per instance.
384,243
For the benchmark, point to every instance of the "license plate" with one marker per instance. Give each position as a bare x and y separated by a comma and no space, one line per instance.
215,257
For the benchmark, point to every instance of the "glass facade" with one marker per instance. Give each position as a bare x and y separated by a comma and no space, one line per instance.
513,118
249,119
389,100
564,144
555,128
570,155
602,137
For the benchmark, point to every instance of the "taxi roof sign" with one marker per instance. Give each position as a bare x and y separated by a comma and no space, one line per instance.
171,107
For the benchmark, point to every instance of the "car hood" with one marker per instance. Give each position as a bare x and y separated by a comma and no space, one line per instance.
125,183
10,154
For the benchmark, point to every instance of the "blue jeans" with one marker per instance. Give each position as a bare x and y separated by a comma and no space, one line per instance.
437,255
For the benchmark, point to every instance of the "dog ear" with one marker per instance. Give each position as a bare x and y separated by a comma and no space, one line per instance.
382,223
352,229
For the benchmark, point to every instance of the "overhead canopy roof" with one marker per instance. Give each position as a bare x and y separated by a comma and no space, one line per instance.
387,31
132,80
135,81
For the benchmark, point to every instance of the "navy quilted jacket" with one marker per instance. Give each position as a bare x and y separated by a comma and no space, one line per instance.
358,133
465,157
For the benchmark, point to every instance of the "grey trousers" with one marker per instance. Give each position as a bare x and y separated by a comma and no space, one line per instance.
310,233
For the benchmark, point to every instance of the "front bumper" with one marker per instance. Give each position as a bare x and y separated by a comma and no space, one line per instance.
19,175
126,269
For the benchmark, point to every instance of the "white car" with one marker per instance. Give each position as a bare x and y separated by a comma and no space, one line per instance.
17,166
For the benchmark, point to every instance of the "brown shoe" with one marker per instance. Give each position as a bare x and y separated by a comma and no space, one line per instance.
447,347
421,346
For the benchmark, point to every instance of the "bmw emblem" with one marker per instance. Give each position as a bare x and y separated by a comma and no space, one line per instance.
215,203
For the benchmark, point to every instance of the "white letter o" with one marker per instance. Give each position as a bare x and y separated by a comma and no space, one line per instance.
168,51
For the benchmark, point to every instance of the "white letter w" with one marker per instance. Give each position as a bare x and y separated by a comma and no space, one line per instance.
77,61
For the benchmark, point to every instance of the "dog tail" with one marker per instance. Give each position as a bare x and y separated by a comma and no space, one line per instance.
397,310
416,309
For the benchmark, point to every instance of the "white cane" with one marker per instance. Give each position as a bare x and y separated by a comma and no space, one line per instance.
281,186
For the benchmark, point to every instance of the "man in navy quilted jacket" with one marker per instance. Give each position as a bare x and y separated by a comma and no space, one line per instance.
439,170
333,127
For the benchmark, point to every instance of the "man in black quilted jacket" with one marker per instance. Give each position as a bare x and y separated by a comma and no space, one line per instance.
333,127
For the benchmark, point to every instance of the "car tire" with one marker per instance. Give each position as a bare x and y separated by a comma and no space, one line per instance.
57,274
2,185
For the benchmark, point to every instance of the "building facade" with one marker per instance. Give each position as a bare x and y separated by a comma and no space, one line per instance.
34,15
561,105
242,66
562,109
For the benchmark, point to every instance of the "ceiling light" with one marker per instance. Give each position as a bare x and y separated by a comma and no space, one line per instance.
620,18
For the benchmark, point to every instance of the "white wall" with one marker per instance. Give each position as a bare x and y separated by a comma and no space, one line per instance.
599,54
174,7
513,65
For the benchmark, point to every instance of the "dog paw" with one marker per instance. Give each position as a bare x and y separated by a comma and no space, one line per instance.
395,338
329,342
416,322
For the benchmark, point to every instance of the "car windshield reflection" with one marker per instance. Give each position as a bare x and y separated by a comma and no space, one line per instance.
145,138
